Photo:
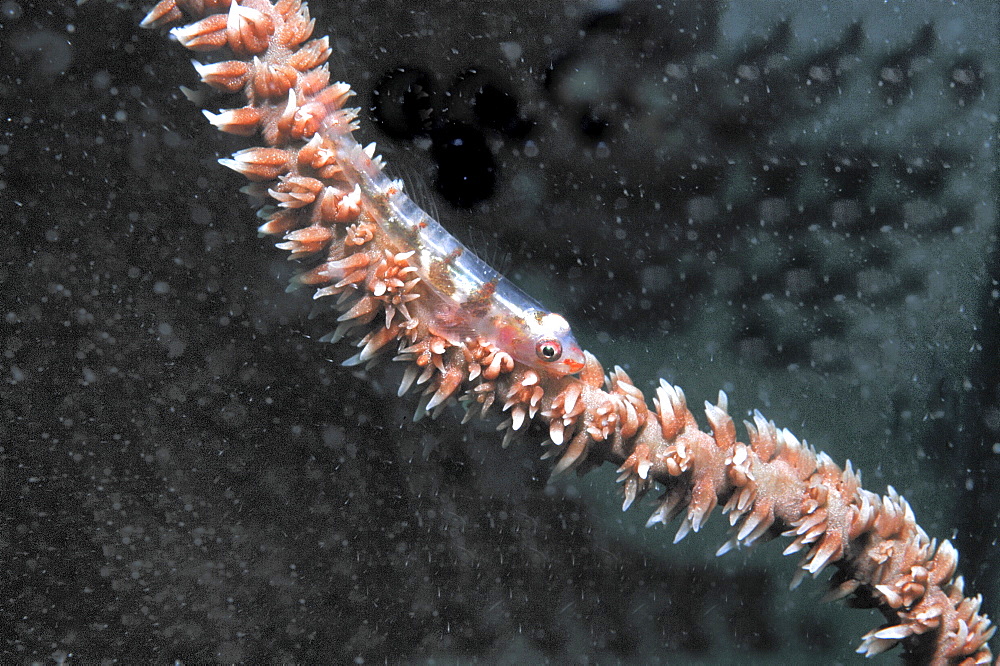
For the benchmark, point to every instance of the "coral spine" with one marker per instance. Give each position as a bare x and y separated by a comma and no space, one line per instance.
775,485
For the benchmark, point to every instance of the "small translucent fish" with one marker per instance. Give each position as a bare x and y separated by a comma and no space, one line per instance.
476,300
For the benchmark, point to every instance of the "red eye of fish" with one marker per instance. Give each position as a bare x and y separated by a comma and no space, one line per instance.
548,350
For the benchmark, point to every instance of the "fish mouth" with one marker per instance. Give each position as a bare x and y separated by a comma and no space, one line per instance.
573,366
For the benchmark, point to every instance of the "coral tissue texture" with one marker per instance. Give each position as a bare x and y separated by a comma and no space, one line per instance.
331,211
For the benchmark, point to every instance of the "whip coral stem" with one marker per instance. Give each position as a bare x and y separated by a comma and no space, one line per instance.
403,286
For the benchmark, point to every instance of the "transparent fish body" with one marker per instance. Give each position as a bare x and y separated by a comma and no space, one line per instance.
476,300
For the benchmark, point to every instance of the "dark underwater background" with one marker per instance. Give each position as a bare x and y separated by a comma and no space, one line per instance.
795,202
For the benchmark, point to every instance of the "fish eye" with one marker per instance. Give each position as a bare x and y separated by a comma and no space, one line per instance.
548,350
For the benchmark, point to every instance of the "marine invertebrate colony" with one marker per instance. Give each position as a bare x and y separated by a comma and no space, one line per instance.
401,284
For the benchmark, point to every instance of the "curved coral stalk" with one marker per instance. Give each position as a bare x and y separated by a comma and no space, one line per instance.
327,213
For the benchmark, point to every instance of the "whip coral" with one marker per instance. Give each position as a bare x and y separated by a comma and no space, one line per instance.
402,287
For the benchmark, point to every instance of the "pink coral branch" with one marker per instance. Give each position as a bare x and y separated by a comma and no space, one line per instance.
329,214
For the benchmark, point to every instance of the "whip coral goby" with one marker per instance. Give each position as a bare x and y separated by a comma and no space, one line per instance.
401,283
